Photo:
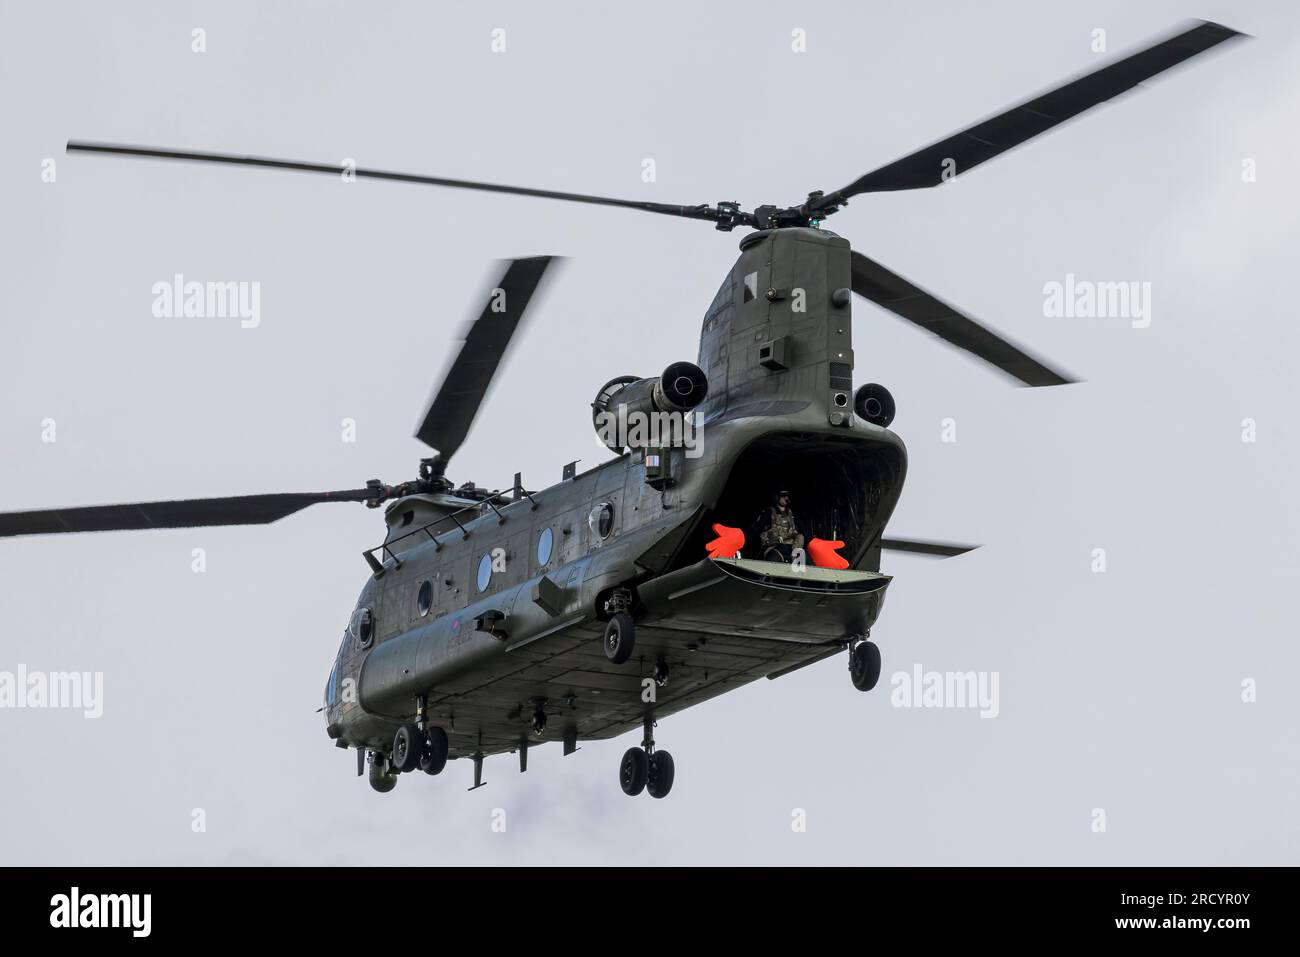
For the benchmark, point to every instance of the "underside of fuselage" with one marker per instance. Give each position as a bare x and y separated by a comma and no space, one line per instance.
703,626
681,660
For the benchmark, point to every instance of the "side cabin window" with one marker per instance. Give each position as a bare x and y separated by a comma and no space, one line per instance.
362,627
601,521
545,545
484,578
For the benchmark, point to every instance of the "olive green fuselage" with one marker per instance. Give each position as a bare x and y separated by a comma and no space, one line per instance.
498,611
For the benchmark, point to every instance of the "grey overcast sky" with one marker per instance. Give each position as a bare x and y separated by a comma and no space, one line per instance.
1119,690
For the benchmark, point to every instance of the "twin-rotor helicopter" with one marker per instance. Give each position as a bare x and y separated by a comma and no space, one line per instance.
495,620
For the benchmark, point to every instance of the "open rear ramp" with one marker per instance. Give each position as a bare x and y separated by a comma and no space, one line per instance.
769,600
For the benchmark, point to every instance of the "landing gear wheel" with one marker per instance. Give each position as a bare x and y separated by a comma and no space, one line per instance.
380,779
634,771
864,665
661,774
620,635
434,758
408,746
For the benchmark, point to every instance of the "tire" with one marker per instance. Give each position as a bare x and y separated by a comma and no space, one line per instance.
661,775
864,665
633,771
408,748
380,779
620,636
434,758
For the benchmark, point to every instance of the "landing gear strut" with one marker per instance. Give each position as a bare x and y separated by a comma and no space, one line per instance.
633,771
620,636
620,631
864,663
381,778
645,769
434,758
408,748
419,745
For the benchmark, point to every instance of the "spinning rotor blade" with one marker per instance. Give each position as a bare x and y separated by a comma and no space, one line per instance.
1021,123
702,211
870,280
457,401
185,513
919,547
925,167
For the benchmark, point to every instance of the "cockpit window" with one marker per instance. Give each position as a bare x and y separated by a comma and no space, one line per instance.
332,688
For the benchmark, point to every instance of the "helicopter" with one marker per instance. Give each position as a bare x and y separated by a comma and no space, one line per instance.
493,621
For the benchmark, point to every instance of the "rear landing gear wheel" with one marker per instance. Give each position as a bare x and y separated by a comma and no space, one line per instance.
634,771
660,781
864,665
380,778
620,636
434,758
408,747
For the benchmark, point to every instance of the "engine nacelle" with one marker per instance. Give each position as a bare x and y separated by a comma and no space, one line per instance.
627,406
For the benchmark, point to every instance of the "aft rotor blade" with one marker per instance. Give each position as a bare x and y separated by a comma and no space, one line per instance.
456,403
989,138
231,159
919,547
184,513
873,281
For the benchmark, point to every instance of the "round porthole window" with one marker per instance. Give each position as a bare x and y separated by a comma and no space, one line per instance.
425,599
545,542
601,520
484,572
362,627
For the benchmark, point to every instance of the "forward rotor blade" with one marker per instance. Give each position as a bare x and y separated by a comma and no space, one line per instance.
456,403
919,547
702,211
873,281
185,513
997,134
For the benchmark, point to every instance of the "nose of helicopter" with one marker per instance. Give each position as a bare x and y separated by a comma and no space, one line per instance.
329,705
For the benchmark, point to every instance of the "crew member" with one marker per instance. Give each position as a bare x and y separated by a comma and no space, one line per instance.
777,530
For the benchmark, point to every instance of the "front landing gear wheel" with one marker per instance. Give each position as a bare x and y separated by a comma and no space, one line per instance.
864,665
434,758
620,635
380,779
408,747
660,781
634,771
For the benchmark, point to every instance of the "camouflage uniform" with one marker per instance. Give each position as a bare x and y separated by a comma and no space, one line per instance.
782,529
777,534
